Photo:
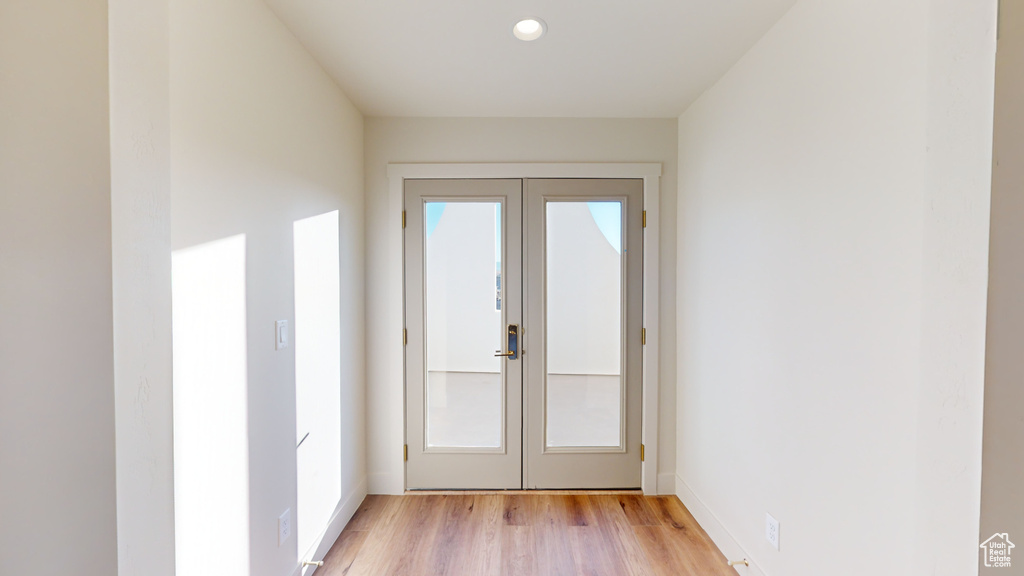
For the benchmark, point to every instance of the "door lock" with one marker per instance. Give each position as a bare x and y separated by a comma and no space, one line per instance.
512,336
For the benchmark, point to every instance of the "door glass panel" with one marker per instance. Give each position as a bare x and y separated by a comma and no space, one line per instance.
584,324
464,324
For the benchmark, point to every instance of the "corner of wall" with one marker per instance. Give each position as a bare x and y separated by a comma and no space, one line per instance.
345,511
385,483
717,531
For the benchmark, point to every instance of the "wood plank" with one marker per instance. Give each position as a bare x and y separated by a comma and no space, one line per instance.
339,558
664,556
561,510
391,508
686,534
637,510
579,509
591,553
484,555
519,509
548,511
518,551
367,513
554,550
417,533
377,552
606,510
674,515
616,531
453,538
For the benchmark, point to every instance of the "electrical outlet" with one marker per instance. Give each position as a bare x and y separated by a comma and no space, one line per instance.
771,530
284,526
280,335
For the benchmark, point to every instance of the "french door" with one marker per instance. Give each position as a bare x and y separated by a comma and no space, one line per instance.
523,314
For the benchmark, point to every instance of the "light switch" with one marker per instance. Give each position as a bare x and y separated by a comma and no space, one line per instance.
281,329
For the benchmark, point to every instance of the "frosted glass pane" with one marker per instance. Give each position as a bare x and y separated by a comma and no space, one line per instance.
464,324
584,323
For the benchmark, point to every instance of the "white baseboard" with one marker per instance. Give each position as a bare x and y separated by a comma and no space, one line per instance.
334,528
719,534
386,484
666,484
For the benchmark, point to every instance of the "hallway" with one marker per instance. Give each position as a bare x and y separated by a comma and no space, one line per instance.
206,246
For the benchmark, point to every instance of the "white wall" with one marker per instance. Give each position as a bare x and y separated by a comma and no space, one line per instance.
57,479
832,223
1002,501
262,137
395,140
141,232
957,197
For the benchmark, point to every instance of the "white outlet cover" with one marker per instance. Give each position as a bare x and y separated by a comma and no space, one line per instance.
280,334
284,527
771,530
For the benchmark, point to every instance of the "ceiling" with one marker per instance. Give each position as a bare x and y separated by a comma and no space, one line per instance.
599,58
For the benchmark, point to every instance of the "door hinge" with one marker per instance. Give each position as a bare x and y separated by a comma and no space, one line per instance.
403,218
643,336
405,336
641,452
405,452
645,218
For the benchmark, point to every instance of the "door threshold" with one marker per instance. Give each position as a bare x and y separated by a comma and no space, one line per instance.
635,492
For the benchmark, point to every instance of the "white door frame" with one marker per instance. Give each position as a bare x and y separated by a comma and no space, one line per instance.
651,175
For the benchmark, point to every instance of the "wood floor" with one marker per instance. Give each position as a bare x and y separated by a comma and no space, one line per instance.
524,534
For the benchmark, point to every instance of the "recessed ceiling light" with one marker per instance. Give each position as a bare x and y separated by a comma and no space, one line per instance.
529,29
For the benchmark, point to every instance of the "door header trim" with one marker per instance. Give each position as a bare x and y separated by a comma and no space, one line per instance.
525,170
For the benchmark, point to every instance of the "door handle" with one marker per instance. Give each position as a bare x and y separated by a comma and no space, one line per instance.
512,336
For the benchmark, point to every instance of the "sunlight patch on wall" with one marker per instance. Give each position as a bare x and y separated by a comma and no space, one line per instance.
211,432
317,376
